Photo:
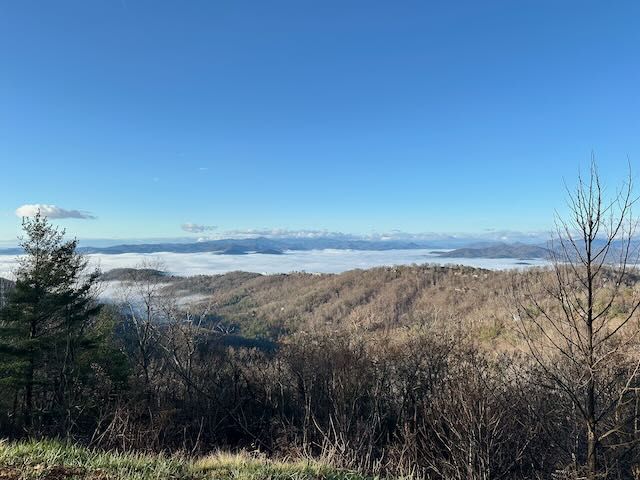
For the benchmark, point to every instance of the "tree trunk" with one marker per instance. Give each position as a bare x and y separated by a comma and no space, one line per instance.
592,437
28,396
592,445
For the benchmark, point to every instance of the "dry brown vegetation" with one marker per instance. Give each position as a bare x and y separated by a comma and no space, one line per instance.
380,299
416,369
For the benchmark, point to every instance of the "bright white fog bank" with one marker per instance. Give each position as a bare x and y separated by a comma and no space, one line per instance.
312,261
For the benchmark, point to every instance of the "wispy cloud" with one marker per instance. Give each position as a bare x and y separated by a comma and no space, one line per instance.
282,232
196,228
487,235
52,211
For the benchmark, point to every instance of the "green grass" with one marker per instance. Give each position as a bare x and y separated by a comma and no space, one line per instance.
53,460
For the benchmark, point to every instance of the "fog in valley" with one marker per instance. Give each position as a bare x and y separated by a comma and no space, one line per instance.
312,261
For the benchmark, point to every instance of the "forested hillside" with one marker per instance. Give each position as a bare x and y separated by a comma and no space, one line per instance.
377,299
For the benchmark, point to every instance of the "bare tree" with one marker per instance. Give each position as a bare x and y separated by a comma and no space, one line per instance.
140,297
579,318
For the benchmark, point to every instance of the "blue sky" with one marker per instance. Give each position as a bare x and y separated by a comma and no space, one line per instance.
352,116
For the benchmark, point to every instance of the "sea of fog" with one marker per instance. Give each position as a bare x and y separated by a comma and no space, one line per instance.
312,261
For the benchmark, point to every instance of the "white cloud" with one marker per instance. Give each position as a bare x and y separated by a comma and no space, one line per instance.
195,228
312,261
492,235
52,211
284,233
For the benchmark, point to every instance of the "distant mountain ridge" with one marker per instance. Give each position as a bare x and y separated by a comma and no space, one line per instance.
277,246
262,245
502,250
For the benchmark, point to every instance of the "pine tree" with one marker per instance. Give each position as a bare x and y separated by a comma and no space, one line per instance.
45,322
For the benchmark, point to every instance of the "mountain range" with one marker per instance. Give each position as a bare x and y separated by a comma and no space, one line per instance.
235,246
277,246
501,250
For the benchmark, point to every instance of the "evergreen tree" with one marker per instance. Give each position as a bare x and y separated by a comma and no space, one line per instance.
45,323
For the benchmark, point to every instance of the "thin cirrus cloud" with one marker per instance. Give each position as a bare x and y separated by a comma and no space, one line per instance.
52,211
488,235
196,228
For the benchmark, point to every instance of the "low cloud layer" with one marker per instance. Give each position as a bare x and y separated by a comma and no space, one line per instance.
52,211
312,261
196,228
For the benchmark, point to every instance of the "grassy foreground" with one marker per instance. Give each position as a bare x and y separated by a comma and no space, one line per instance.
52,460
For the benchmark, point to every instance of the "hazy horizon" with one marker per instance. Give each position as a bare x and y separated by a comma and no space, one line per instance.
456,238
